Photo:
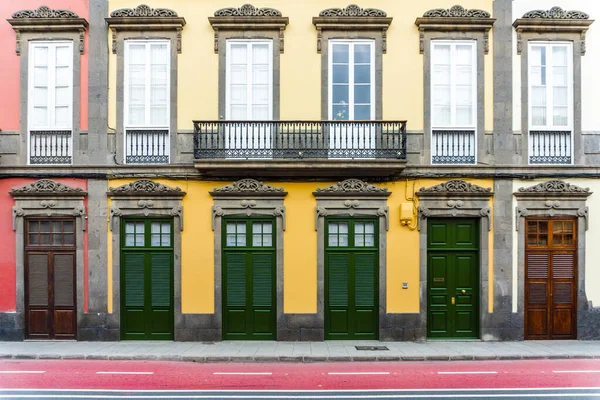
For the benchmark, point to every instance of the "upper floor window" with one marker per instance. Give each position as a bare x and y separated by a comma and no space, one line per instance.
249,77
453,101
550,86
50,102
147,101
352,83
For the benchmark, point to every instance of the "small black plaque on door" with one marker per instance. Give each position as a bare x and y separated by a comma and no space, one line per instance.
371,348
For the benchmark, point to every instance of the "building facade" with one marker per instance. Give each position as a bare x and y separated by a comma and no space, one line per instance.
205,170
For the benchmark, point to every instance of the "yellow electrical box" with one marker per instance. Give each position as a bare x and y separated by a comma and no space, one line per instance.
406,213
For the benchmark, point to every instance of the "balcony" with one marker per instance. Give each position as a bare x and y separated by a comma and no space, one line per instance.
453,147
550,147
146,146
50,147
318,149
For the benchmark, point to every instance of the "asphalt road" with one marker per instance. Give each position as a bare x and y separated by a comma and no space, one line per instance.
87,379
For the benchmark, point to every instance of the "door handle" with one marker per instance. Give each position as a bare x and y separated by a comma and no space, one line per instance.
453,301
463,291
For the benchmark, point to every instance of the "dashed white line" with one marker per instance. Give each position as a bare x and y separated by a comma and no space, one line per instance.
578,372
124,373
358,373
242,373
22,372
466,372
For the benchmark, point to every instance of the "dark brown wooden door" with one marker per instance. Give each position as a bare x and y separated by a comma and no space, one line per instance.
50,307
551,279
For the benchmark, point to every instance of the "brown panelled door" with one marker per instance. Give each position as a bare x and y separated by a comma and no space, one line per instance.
551,279
50,310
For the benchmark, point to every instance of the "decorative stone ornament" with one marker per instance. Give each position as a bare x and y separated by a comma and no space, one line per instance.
554,186
457,12
352,186
45,19
145,187
455,186
553,20
246,186
247,10
352,18
456,18
556,13
142,19
248,18
46,188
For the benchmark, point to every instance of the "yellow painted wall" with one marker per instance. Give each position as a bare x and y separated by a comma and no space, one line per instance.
300,64
300,247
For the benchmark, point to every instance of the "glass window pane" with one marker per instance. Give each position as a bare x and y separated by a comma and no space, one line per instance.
268,241
340,53
538,115
240,240
68,226
165,240
45,227
239,112
155,227
343,240
40,55
560,96
359,228
64,55
260,74
359,241
63,75
158,54
158,115
231,240
56,239
137,53
362,94
538,55
257,228
139,227
340,112
560,117
333,240
166,227
256,240
362,113
155,240
40,76
464,75
129,227
260,113
231,227
340,94
340,74
241,227
238,74
260,94
464,55
369,227
158,75
260,53
62,95
559,56
333,227
441,95
464,115
40,96
343,227
441,75
129,240
69,239
559,76
441,115
362,73
267,228
139,240
362,53
369,240
538,96
464,95
239,53
441,54
57,226
62,116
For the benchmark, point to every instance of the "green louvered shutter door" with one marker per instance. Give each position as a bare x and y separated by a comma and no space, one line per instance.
365,313
263,309
161,303
337,296
235,314
133,276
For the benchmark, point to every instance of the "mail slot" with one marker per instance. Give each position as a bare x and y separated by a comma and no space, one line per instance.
438,279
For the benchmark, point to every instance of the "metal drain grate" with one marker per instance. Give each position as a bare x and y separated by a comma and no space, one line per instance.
371,348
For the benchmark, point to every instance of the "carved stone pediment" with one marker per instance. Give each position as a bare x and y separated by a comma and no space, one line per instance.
456,186
352,11
455,18
555,19
352,187
352,18
248,18
456,12
45,19
248,188
556,13
145,18
143,11
145,188
554,186
47,188
247,10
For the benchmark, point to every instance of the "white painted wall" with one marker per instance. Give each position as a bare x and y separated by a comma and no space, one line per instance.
592,239
590,78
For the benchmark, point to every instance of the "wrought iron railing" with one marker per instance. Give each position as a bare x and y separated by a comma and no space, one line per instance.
550,147
146,146
50,147
453,147
299,139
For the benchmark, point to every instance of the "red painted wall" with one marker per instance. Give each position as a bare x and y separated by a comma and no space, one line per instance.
9,75
8,241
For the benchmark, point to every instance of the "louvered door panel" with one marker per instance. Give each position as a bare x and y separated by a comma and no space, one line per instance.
338,281
161,306
235,313
134,315
563,294
263,310
65,319
38,307
536,292
365,292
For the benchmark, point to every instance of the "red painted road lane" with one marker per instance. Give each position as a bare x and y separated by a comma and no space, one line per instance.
87,374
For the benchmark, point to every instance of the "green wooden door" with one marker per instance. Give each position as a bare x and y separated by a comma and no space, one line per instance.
351,279
453,278
249,297
147,279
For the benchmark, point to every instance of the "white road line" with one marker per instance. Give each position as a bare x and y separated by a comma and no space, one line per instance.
123,373
466,372
22,372
578,372
358,373
242,373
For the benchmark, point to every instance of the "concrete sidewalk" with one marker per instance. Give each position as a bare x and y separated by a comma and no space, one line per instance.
248,351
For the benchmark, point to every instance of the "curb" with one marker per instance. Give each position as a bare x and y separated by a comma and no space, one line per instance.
292,359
